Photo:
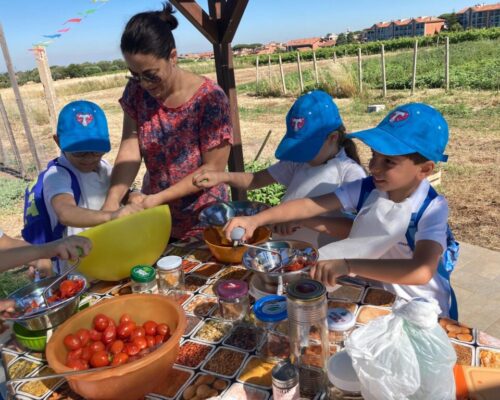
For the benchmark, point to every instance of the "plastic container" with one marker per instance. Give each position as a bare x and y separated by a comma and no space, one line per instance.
233,299
344,383
143,278
33,340
285,381
170,273
340,325
270,311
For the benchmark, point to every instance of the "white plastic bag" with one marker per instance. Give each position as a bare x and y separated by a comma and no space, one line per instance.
404,355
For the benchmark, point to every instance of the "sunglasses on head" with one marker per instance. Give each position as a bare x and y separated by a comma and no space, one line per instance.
83,154
147,77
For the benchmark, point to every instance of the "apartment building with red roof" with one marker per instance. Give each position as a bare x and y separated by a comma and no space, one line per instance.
480,16
303,44
421,26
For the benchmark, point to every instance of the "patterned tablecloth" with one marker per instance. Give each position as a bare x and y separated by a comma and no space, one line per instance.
208,340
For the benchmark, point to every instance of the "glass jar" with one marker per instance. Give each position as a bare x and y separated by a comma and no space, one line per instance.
344,383
308,329
340,325
271,313
170,273
143,278
232,295
285,378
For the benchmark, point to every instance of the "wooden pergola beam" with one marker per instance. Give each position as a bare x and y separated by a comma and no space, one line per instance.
192,11
232,12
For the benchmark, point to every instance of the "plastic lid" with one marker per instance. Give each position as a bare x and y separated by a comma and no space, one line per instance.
169,263
271,308
306,289
341,373
231,289
340,319
143,273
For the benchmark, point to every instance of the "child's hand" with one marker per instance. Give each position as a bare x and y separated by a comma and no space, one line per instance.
285,228
328,271
207,179
70,248
247,223
7,305
136,198
43,266
127,210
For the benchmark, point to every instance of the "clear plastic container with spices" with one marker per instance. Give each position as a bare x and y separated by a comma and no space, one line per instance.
285,378
344,383
271,312
170,273
308,330
143,279
340,325
234,302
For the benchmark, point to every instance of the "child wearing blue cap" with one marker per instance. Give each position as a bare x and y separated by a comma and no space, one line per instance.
67,197
406,146
315,158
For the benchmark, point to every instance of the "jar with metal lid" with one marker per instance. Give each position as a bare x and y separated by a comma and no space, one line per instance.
170,273
340,325
344,383
143,278
308,330
271,312
233,299
285,378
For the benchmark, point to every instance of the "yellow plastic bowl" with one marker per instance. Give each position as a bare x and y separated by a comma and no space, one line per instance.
120,244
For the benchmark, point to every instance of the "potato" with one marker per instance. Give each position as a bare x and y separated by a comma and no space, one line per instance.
465,337
204,380
219,385
189,393
203,390
453,328
452,335
464,329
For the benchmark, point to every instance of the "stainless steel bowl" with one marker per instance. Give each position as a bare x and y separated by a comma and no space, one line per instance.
267,265
219,214
45,317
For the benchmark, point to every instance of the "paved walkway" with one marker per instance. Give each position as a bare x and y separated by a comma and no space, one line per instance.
476,281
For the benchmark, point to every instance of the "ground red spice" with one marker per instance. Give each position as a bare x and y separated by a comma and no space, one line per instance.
191,354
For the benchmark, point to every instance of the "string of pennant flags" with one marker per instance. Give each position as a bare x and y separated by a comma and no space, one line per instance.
50,38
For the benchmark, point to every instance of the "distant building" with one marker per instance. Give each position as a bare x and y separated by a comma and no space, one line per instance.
208,55
480,16
421,26
303,44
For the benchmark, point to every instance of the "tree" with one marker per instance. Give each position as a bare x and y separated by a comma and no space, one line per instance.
350,37
451,23
341,39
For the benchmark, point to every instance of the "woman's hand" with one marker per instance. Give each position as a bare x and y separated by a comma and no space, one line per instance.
135,197
7,306
126,210
285,228
328,271
247,223
207,179
150,201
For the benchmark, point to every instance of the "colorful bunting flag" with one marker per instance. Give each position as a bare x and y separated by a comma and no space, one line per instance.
75,20
63,30
52,36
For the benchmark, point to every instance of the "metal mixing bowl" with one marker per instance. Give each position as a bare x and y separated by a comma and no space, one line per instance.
219,214
44,318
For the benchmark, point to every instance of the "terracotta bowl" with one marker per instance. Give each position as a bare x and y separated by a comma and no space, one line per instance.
227,253
134,380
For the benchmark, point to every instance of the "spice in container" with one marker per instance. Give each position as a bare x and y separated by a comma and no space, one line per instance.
243,337
234,302
225,362
257,372
143,279
344,383
212,331
192,354
340,325
170,273
285,380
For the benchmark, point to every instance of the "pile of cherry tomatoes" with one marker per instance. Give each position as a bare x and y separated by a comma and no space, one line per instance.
67,289
109,344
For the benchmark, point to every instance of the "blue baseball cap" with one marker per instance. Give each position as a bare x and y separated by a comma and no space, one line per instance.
82,126
411,128
311,119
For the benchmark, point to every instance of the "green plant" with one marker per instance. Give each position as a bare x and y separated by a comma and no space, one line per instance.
271,194
10,281
11,192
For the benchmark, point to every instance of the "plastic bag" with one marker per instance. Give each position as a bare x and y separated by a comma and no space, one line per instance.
405,355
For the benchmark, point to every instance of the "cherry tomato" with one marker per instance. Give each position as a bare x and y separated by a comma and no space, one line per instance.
111,322
119,359
95,336
163,329
86,353
132,349
138,332
125,318
83,335
74,354
159,339
116,347
72,342
78,364
109,334
68,288
125,329
140,342
99,359
101,322
96,346
150,327
150,340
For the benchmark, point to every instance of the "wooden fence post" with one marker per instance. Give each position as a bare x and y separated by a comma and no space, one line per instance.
384,80
447,64
47,83
300,73
414,77
19,100
3,158
12,139
269,65
316,73
283,83
263,145
256,73
334,56
360,71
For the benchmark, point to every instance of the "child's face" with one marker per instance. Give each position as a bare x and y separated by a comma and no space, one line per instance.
397,175
86,161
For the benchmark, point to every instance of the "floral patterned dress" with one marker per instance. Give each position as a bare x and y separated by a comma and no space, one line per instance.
172,141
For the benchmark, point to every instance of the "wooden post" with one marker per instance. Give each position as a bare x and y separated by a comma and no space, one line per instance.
263,145
414,77
256,73
300,73
269,65
3,159
19,100
47,83
360,71
447,64
283,83
334,56
384,80
316,74
10,136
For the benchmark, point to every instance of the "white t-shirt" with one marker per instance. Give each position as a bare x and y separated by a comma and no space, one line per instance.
93,187
432,226
302,180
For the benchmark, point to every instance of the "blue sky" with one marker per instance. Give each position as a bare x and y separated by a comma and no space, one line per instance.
97,36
